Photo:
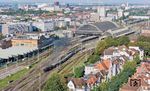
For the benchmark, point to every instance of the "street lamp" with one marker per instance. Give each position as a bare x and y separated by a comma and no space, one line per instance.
39,72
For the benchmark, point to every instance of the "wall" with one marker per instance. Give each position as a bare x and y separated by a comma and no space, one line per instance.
25,42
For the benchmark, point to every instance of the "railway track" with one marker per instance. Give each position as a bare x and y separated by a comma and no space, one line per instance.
74,60
29,81
36,78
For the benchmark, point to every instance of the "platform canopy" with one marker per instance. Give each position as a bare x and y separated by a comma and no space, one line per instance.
15,51
97,28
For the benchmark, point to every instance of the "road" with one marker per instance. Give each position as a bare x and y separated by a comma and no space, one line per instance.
36,78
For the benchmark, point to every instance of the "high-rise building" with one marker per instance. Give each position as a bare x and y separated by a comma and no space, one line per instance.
101,11
56,3
57,6
120,13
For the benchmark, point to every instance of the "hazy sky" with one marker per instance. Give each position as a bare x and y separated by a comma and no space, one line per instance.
83,1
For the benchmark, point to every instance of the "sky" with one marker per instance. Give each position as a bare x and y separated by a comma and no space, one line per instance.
82,1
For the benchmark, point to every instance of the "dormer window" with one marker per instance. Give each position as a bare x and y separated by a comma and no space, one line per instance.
147,75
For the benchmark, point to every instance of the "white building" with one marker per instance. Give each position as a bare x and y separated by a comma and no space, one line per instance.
118,52
94,17
40,6
46,7
77,84
57,8
90,69
141,52
14,28
44,26
120,13
139,17
51,9
126,13
101,11
60,23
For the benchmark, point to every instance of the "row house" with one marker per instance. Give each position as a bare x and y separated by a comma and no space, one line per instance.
140,81
85,83
123,51
77,84
111,64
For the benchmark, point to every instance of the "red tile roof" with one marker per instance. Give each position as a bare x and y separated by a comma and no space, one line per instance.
92,80
143,74
104,65
78,82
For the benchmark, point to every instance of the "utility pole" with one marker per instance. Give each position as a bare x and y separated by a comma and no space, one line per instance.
7,67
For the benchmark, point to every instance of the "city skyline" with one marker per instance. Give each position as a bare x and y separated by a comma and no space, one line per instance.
81,1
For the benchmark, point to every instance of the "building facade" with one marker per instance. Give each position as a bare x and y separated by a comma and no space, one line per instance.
44,26
16,28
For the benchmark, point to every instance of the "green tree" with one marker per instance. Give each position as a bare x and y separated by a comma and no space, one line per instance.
104,86
137,59
100,47
93,58
78,71
111,42
116,82
124,40
144,43
144,39
1,36
55,83
145,46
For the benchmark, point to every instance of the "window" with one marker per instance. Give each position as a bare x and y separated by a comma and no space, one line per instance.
22,44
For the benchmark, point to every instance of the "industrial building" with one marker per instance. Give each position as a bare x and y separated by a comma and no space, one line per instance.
32,40
16,28
24,46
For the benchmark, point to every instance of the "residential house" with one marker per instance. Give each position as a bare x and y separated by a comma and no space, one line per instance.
107,68
141,51
110,65
130,52
93,79
85,83
140,81
90,69
77,84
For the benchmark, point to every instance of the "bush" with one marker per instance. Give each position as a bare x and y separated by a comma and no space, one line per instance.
55,83
93,58
78,71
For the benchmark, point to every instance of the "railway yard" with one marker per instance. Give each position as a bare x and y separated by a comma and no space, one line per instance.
63,57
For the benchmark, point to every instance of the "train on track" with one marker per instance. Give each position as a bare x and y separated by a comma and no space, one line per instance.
62,59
